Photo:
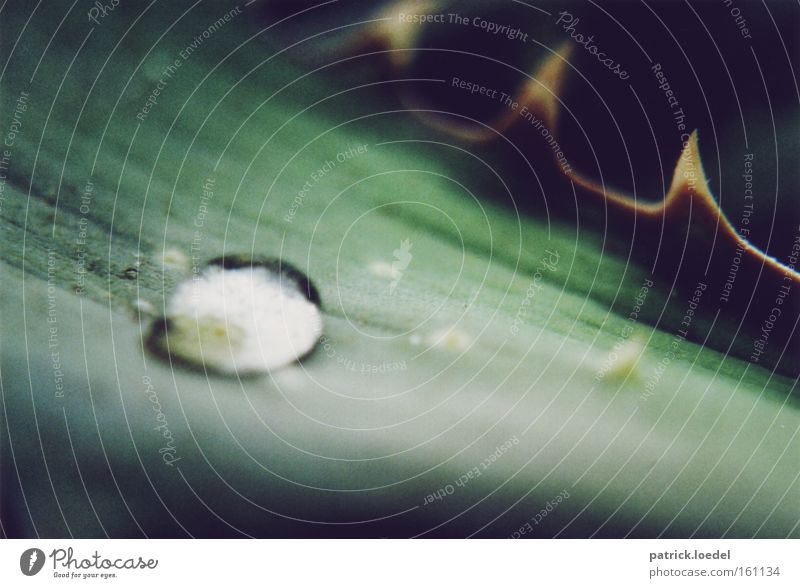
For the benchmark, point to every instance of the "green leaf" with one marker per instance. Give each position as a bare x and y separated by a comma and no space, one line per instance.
485,357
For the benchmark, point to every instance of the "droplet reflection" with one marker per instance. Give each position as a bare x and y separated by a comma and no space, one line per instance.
240,316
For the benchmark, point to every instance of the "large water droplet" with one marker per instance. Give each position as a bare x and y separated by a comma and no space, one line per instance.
240,316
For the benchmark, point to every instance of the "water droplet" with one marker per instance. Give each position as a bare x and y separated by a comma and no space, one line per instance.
383,270
130,273
143,307
240,316
622,362
175,259
453,339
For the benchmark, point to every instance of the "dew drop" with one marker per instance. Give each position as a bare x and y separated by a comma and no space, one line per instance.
175,259
142,307
451,339
383,270
240,316
130,273
626,359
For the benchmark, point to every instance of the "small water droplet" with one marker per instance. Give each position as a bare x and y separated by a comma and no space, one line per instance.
175,259
383,270
453,339
143,307
628,358
130,273
240,316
